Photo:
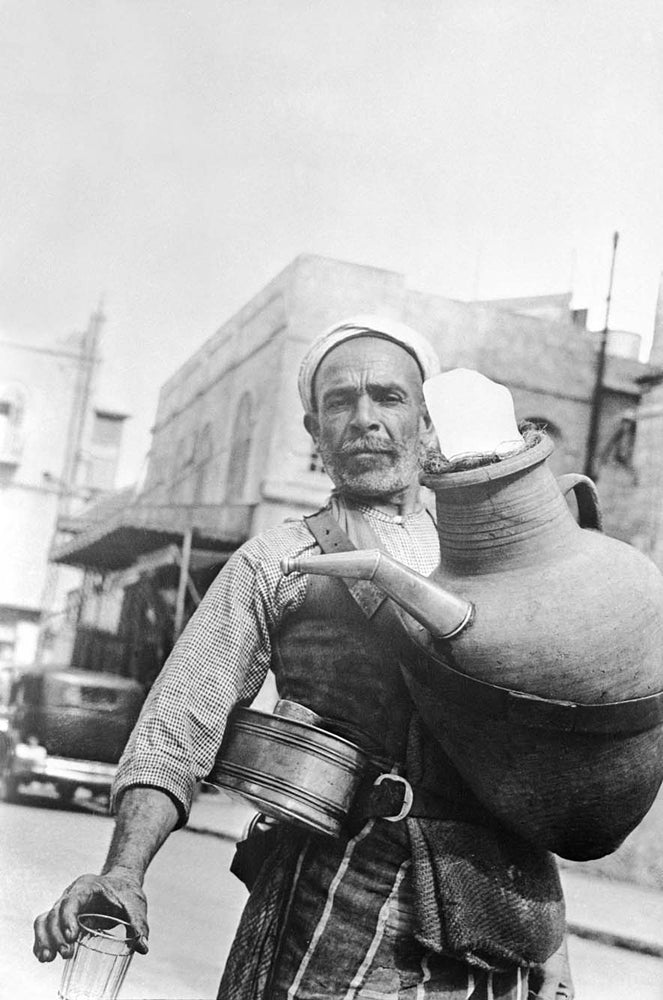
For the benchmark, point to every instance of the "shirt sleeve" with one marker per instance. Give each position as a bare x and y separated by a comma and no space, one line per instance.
222,658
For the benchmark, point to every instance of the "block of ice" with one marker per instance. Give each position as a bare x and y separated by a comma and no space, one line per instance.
472,415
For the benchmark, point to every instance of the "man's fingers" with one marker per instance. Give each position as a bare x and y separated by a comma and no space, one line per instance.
56,931
550,990
79,898
106,895
69,911
141,945
135,907
43,948
56,938
49,940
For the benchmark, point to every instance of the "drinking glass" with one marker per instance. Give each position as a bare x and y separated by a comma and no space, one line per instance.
100,960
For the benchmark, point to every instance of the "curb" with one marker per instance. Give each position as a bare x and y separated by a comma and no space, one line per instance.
208,831
615,940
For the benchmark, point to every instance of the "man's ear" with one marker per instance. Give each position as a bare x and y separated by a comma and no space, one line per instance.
428,435
312,425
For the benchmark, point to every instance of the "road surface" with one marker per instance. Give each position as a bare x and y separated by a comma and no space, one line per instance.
194,903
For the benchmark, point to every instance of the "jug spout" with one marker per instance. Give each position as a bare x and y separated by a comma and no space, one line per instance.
442,613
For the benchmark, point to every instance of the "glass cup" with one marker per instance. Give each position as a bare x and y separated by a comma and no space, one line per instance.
100,960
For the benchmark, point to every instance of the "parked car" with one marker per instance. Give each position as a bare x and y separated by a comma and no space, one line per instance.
64,727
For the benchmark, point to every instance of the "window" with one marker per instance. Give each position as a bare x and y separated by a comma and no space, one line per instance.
107,428
238,463
12,407
5,420
315,462
201,458
72,606
619,449
7,643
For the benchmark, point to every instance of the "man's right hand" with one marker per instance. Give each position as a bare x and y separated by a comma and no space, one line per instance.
117,893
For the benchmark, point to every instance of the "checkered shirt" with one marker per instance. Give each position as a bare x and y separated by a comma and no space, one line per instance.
225,651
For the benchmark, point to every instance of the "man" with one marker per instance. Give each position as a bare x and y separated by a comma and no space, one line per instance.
325,918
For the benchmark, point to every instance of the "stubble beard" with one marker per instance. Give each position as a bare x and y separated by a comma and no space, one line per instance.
380,475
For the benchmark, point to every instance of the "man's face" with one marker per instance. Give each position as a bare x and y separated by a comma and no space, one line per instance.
370,421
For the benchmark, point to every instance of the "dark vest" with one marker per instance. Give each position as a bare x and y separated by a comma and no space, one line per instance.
344,666
330,657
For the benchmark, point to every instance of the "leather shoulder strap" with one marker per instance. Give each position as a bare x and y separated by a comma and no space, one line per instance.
327,532
331,538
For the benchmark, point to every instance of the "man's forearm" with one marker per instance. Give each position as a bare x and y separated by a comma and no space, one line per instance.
145,818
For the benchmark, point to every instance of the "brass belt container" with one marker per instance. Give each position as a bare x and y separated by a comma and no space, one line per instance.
289,767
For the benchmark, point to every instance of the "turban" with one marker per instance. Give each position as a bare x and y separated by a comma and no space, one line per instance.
364,326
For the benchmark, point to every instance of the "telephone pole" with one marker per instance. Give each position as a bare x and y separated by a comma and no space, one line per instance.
87,362
87,359
591,463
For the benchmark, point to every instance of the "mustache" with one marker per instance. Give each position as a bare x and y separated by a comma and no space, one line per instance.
358,446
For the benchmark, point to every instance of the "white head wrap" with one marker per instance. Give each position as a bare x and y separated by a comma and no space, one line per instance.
364,326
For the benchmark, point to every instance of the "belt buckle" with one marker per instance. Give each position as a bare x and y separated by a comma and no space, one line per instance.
408,795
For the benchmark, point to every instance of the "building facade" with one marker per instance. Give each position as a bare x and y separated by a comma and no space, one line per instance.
57,450
230,456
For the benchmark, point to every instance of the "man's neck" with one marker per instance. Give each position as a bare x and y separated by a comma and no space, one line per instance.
407,501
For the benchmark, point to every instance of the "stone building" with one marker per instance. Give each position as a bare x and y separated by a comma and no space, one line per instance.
230,457
634,487
58,448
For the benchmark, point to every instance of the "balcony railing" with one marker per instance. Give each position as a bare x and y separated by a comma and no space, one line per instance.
118,540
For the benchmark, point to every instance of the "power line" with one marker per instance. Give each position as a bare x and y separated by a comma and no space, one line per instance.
54,352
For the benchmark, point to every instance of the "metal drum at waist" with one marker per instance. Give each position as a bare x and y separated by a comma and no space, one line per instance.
289,769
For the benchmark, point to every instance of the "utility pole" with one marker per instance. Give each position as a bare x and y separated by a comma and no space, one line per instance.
87,362
591,463
86,359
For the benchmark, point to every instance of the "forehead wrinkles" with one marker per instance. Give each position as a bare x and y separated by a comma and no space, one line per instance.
366,362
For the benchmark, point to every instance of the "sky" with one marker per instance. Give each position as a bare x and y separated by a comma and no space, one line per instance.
172,157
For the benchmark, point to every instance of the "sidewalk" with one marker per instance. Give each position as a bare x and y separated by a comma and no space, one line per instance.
220,815
617,914
614,913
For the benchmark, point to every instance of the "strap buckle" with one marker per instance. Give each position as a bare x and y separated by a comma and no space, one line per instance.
408,795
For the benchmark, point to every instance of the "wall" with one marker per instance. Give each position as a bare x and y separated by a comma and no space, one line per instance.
548,364
56,401
29,485
229,431
195,435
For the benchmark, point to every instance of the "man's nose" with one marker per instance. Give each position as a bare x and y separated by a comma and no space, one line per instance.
365,416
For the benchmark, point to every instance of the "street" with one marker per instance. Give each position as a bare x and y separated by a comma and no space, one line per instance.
195,904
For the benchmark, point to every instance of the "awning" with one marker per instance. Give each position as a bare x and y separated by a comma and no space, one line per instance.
139,528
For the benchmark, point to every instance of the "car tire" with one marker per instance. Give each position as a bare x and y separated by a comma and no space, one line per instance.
9,788
66,793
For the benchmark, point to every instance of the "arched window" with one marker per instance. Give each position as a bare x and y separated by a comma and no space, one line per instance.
201,457
240,447
619,449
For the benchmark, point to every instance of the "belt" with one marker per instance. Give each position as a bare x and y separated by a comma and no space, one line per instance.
392,797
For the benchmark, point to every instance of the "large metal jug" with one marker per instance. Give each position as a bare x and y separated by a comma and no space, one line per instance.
549,703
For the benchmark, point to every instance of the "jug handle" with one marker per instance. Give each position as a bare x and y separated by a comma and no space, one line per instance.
587,498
